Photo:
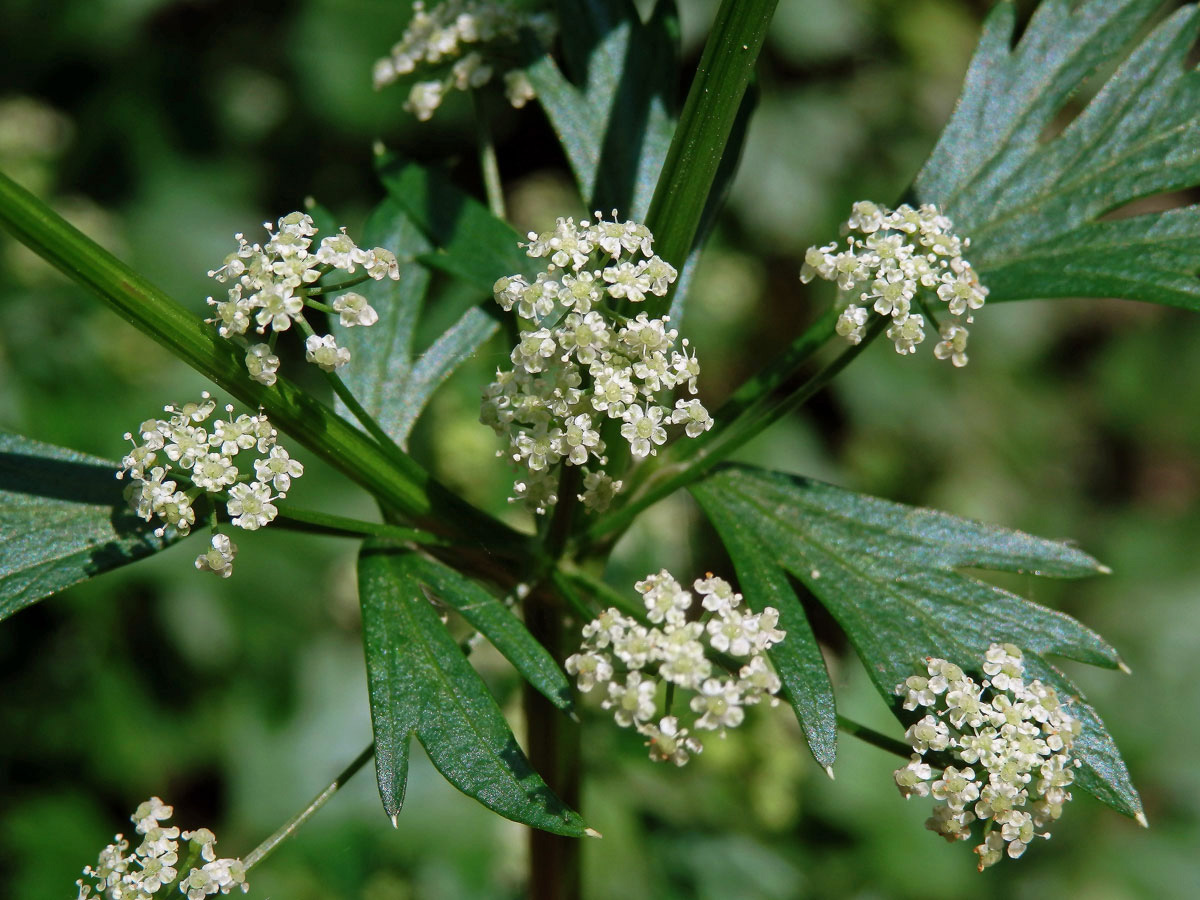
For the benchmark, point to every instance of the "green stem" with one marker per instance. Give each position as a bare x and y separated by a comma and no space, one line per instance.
313,522
263,850
395,478
564,586
874,738
318,305
722,77
671,478
389,446
334,288
488,163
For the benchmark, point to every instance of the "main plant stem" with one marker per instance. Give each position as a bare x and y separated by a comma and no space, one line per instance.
554,861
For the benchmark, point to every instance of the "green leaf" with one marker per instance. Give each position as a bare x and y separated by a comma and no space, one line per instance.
500,625
421,684
63,519
468,242
391,385
889,574
616,126
1034,208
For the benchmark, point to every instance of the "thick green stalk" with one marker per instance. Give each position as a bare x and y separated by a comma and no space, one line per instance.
722,77
396,479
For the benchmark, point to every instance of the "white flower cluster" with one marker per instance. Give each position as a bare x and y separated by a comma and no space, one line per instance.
183,449
155,864
1013,740
580,362
892,259
438,38
629,662
272,283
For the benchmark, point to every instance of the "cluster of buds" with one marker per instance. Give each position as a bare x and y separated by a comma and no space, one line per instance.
184,456
272,283
579,361
629,662
1010,742
156,864
439,39
894,259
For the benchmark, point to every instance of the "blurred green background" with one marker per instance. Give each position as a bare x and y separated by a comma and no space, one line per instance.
164,127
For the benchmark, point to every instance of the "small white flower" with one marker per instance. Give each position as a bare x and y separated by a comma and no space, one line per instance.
325,353
354,310
517,88
277,306
693,415
219,558
670,743
633,701
913,779
262,364
340,251
381,263
278,470
599,488
718,594
664,597
643,429
250,506
589,669
720,703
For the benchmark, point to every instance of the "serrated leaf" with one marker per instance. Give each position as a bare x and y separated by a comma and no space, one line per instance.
617,125
391,385
467,241
422,685
500,625
889,574
1033,207
63,519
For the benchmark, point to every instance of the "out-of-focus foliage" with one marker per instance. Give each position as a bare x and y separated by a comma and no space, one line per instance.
177,124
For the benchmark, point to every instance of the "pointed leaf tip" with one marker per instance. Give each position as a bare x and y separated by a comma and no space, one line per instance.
421,683
890,575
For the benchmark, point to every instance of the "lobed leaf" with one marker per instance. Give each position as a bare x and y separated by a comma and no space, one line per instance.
889,575
422,685
616,126
500,625
1035,208
63,519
